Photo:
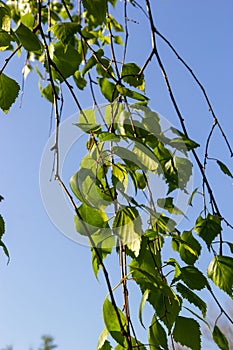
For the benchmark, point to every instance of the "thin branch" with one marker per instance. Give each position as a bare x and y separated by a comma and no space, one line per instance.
7,60
181,119
201,87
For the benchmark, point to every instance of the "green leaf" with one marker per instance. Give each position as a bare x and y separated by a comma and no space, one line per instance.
140,180
87,121
142,304
187,332
131,93
112,323
192,298
119,177
208,228
104,242
93,219
146,157
192,277
224,168
167,203
9,90
102,340
190,202
28,39
66,59
130,74
79,80
106,72
127,225
157,336
2,227
108,89
93,60
220,271
182,143
220,339
189,248
95,11
105,346
5,40
65,31
230,246
47,92
5,17
163,299
118,40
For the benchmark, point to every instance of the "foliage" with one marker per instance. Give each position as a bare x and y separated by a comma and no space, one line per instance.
76,45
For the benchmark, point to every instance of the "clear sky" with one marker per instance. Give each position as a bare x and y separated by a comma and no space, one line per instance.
48,286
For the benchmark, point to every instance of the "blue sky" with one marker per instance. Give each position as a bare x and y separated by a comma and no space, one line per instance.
48,286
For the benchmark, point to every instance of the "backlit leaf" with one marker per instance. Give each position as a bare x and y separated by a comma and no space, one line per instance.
157,336
132,94
65,31
96,11
66,59
48,92
92,219
28,39
127,225
108,89
9,90
220,271
208,228
112,323
130,75
93,60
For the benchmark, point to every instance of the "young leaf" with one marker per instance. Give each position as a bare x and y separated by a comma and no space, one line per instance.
220,339
93,219
127,225
47,92
102,339
65,31
87,121
28,39
224,168
79,80
220,271
182,143
9,91
112,323
157,336
208,228
142,304
108,89
131,93
167,203
145,157
130,75
93,60
187,332
192,298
